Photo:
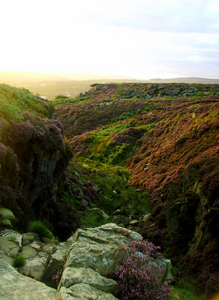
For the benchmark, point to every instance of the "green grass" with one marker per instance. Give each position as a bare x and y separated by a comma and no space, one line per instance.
125,116
39,228
110,129
13,101
101,147
61,99
91,219
184,294
113,193
114,190
19,261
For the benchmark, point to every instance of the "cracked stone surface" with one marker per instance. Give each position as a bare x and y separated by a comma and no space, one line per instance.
15,286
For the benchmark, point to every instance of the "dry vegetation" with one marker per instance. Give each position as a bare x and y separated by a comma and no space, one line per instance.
167,137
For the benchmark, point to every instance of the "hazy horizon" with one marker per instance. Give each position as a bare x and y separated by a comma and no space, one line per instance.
138,39
67,76
71,85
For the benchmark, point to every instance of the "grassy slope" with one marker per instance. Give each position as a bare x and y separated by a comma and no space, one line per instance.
170,146
14,101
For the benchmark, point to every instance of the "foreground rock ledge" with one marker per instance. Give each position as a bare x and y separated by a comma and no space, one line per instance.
15,286
85,260
89,260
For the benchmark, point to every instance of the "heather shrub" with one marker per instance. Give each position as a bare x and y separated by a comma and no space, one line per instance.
58,124
21,132
137,274
53,136
3,151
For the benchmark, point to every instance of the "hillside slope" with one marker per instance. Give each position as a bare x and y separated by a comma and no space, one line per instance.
33,162
167,135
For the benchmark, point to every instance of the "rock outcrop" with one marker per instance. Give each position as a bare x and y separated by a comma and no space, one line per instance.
33,162
16,286
91,258
78,266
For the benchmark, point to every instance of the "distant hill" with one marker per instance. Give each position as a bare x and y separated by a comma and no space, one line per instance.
53,84
59,83
185,80
34,77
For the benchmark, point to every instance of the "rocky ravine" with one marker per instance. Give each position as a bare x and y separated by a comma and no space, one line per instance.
167,136
78,266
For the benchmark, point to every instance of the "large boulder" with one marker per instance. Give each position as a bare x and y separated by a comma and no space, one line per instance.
56,264
37,255
15,286
10,243
89,261
84,292
82,262
93,247
72,276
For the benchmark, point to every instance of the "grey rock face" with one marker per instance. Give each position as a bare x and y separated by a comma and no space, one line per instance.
80,265
72,276
10,243
15,286
84,292
56,264
36,255
89,260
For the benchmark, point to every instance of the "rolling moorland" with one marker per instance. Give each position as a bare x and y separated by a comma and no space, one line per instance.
130,149
51,85
166,137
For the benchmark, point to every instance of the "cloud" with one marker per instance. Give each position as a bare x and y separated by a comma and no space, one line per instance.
136,38
161,15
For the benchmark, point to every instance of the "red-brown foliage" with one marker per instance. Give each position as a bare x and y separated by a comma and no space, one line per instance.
177,160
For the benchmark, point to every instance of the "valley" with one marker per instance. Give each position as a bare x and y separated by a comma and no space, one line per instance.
142,155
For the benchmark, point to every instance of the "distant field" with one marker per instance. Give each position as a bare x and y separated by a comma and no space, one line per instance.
70,88
52,85
51,89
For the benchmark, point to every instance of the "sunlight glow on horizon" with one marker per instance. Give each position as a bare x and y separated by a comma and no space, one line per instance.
131,38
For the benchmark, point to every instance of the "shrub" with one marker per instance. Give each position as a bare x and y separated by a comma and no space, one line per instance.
39,228
21,132
19,261
137,276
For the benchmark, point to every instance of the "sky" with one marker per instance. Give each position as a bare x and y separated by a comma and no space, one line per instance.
141,39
